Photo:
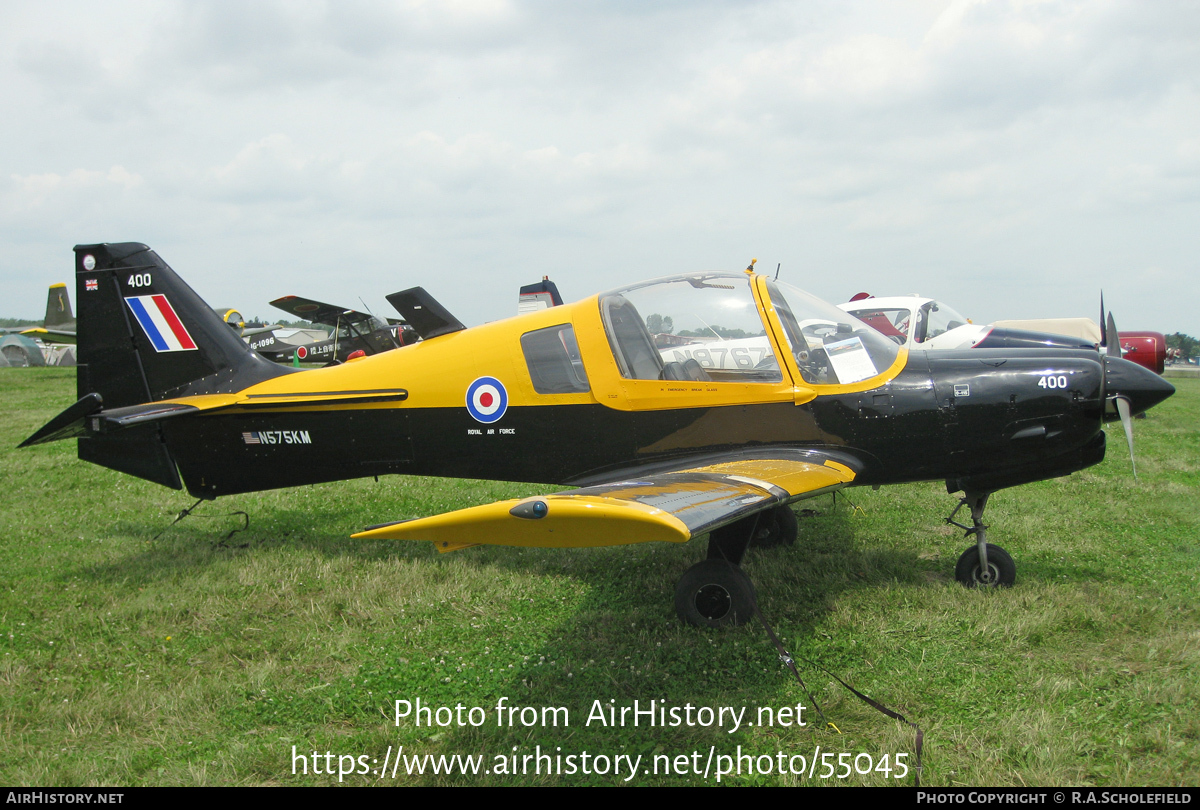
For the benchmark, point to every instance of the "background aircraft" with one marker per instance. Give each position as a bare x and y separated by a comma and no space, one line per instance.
245,330
353,332
59,324
580,395
541,295
928,324
280,344
923,323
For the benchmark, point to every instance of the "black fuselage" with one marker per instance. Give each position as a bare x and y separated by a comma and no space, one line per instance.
979,421
168,392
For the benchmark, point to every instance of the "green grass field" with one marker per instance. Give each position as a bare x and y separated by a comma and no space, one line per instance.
193,660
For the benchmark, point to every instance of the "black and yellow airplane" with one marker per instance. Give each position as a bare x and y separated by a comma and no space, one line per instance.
692,405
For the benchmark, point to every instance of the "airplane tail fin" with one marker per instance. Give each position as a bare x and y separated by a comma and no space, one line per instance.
143,335
146,335
58,307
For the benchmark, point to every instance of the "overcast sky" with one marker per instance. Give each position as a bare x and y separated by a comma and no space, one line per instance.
1010,158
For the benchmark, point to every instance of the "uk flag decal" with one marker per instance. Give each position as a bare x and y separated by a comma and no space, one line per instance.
160,323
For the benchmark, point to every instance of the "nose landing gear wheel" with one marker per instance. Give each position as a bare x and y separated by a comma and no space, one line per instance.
1001,573
715,593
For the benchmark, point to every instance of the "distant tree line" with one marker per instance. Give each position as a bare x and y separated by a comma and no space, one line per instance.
292,324
720,331
659,324
663,325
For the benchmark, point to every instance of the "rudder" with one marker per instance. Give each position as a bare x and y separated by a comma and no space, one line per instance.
58,308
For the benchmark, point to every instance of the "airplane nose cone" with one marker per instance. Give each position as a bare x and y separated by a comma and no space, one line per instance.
1139,385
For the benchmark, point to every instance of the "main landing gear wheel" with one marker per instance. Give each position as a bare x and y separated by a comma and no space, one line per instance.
777,528
715,593
1001,573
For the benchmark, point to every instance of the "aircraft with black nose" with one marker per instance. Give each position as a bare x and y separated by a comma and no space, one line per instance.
748,396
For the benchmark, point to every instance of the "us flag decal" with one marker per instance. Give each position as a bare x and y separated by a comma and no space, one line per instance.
160,323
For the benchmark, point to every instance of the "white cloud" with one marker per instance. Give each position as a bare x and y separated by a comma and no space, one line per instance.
1004,152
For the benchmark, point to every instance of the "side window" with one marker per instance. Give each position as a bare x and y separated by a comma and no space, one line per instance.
552,356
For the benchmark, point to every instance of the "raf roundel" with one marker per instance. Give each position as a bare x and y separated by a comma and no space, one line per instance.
487,400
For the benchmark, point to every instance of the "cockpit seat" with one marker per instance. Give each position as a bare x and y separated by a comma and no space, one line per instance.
632,345
695,371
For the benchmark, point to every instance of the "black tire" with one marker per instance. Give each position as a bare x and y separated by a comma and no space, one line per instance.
1000,564
715,593
776,528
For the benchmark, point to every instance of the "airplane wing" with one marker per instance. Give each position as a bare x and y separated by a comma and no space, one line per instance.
670,506
255,331
319,312
51,335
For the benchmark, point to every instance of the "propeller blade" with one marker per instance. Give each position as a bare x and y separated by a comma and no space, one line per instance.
1127,423
1103,314
1113,343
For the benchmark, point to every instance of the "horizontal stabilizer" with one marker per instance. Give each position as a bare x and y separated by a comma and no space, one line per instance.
68,424
119,418
87,418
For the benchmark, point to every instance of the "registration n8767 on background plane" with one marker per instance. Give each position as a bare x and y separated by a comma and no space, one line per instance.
692,405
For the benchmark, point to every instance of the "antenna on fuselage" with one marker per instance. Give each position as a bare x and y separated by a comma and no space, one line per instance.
709,328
